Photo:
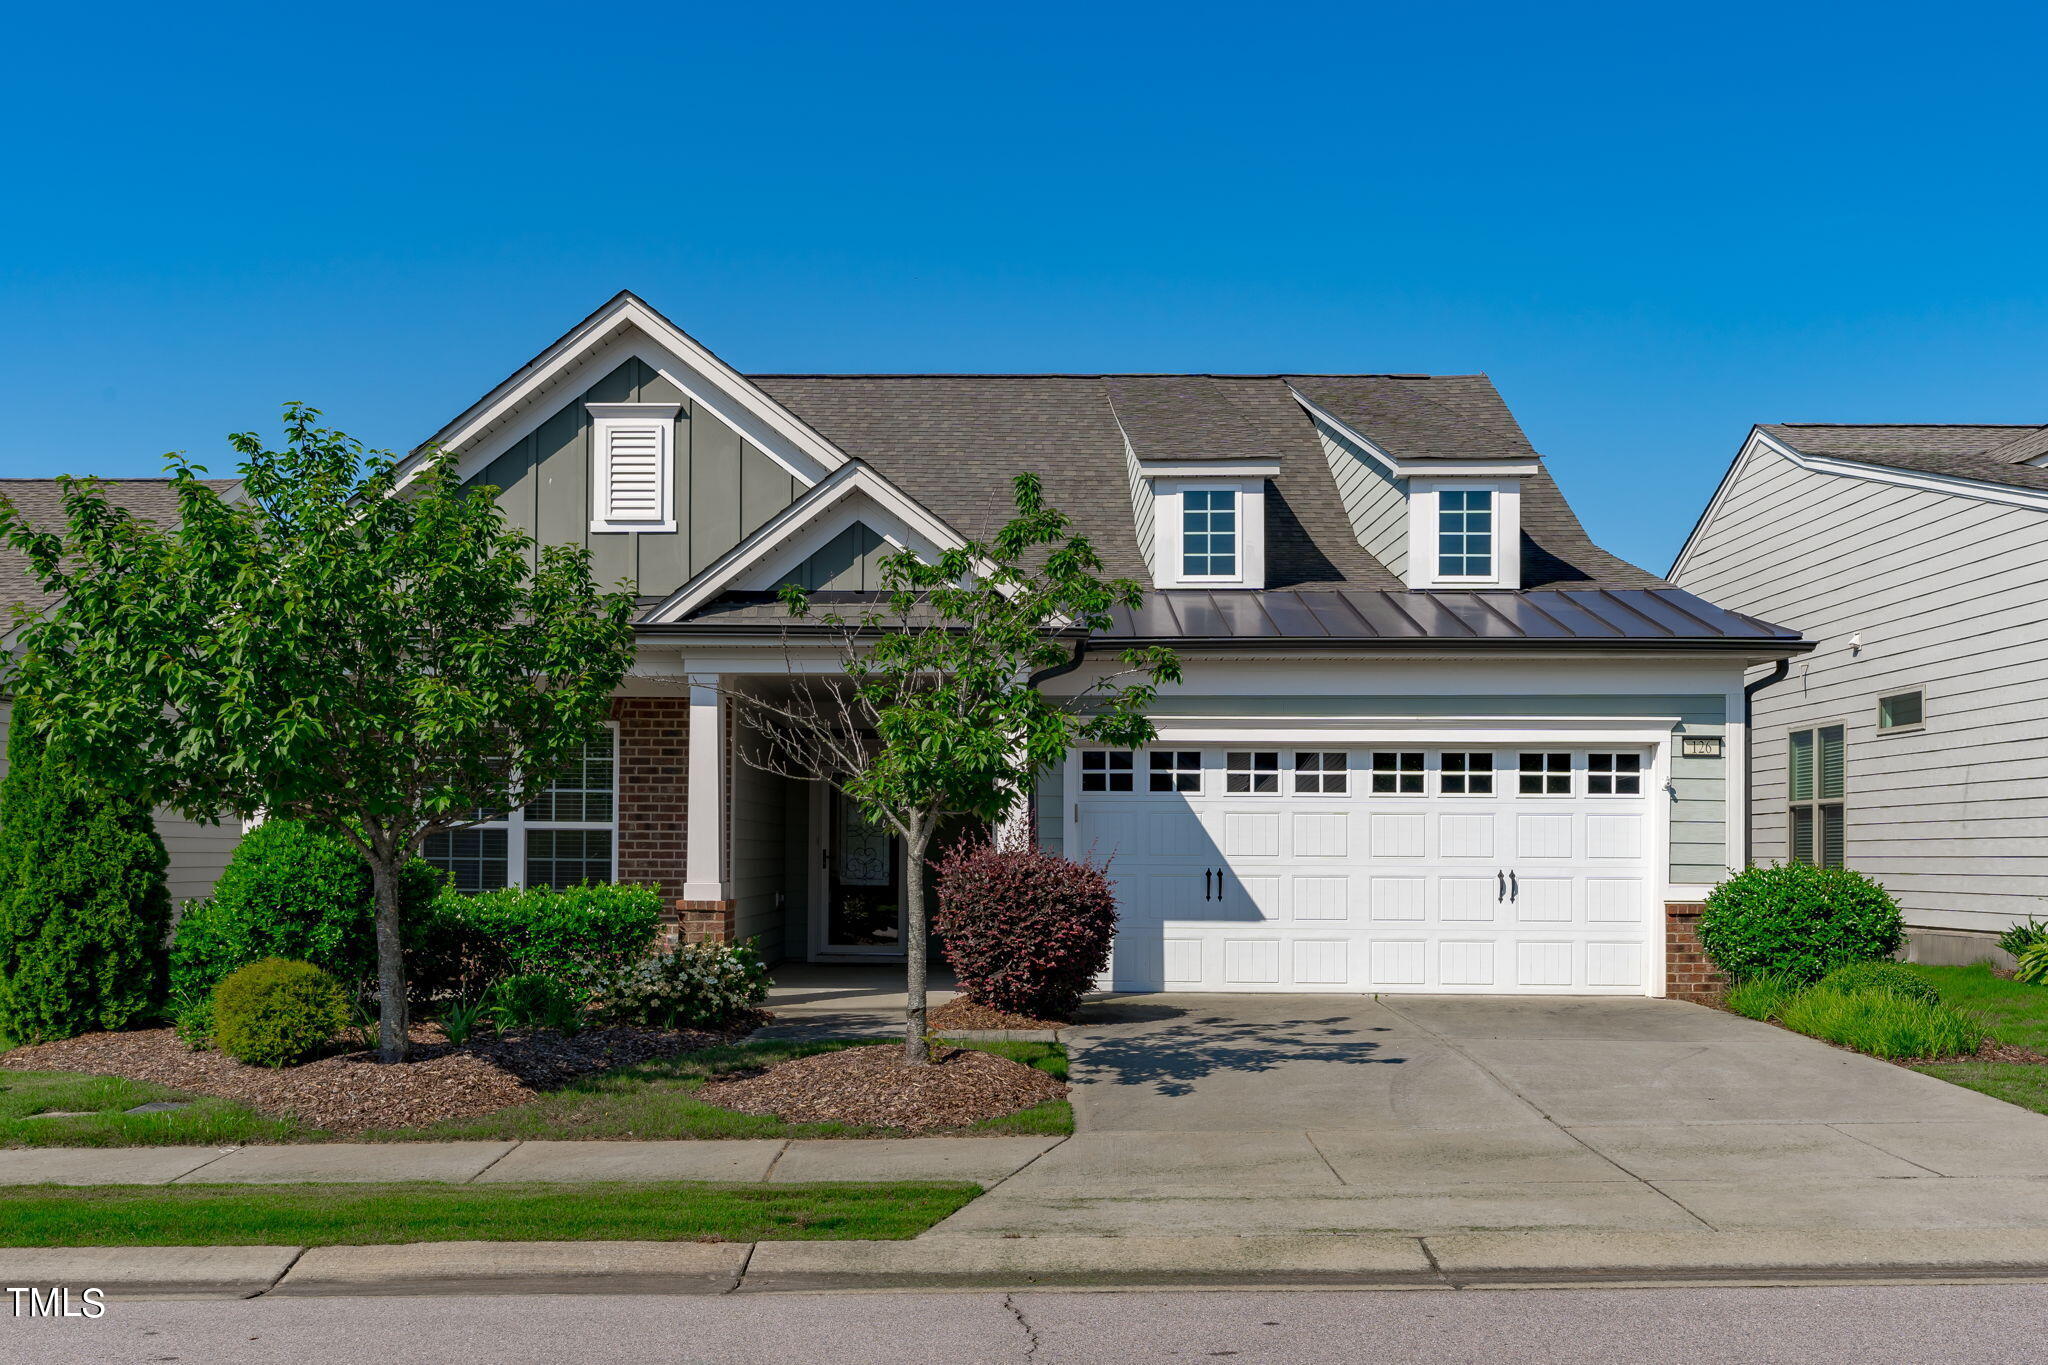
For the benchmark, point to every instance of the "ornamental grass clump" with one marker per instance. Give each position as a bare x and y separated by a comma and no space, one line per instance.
1761,997
1798,921
1882,1023
1895,977
275,1012
1027,931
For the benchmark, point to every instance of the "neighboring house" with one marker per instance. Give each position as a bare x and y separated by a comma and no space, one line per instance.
1912,744
1430,738
198,852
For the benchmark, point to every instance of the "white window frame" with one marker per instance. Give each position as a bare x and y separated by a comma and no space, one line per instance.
1174,771
1252,772
1491,772
1373,773
603,418
1572,770
1322,773
516,826
1616,774
1167,513
1425,518
1109,770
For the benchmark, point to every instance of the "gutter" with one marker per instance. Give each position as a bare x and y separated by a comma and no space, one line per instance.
1777,675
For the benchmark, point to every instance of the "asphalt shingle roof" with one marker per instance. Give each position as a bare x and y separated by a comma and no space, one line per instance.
1991,453
41,504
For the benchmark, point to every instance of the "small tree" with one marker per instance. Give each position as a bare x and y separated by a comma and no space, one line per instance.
381,659
938,713
83,905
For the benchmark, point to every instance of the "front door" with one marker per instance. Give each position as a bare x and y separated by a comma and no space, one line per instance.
863,884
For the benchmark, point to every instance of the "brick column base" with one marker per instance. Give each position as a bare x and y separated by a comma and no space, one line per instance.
707,921
1688,975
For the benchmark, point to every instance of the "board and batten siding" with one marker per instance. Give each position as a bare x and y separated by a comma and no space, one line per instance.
1698,853
1942,592
199,853
725,487
851,561
1374,500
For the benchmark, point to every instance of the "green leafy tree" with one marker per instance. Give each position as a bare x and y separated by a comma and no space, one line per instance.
83,905
937,712
337,641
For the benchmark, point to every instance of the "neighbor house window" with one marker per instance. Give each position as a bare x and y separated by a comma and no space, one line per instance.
1321,771
1396,773
1106,770
1464,533
1176,770
1815,783
1256,771
1467,774
1208,533
565,835
1902,711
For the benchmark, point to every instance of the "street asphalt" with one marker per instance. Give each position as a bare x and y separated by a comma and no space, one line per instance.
1684,1326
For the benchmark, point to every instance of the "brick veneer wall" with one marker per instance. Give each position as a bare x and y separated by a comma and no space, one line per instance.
1688,975
654,794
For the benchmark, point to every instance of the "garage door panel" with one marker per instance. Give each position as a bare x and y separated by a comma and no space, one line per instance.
1614,836
1616,900
1466,834
1251,961
1260,895
1322,899
1322,962
1321,834
1466,962
1251,834
1175,834
1614,964
1399,835
1543,962
1543,900
1396,899
1398,962
1545,835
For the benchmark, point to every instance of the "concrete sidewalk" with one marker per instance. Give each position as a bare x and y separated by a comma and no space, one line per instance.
1446,1262
986,1161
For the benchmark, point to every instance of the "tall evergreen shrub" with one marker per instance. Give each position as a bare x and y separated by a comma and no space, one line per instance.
84,908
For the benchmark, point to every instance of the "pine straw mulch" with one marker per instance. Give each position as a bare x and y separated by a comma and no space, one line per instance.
354,1092
961,1013
875,1086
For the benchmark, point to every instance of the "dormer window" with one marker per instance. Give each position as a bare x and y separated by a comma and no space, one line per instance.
1464,533
1208,533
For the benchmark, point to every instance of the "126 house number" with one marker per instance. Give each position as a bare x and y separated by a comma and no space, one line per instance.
56,1302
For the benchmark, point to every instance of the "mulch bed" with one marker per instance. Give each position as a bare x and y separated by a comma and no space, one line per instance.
1991,1051
962,1013
353,1092
875,1086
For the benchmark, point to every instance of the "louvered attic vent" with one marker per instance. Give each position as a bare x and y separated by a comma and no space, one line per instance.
632,476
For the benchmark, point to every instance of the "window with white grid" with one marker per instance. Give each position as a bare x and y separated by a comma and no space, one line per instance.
1175,770
1465,773
1321,772
1106,770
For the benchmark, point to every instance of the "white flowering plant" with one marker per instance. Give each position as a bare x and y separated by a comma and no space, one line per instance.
698,985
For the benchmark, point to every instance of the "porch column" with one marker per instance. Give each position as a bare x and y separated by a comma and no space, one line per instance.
707,910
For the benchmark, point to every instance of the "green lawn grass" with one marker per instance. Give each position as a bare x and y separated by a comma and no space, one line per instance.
2015,1013
650,1100
359,1215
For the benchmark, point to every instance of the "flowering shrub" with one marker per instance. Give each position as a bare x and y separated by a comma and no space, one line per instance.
1027,931
699,985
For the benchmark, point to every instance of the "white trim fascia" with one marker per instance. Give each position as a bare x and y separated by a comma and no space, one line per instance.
722,573
1206,469
848,509
1759,440
1415,729
478,435
1513,467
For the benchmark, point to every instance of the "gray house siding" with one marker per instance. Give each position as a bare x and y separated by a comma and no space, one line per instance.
1375,501
850,561
725,487
1143,505
760,869
1901,588
1698,853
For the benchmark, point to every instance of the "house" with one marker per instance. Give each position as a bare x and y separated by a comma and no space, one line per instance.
1430,737
1912,743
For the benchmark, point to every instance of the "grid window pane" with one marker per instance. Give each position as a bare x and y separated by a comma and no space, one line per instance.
1545,774
474,859
1467,774
1614,774
583,793
1176,770
1322,771
1397,772
1105,770
1464,524
1253,771
567,857
1208,533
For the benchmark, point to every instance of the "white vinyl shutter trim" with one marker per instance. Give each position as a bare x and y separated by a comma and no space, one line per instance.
632,482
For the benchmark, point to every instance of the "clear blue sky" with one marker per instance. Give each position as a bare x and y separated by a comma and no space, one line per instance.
1652,225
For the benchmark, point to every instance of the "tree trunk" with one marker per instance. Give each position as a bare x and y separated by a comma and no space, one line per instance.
916,1050
392,1040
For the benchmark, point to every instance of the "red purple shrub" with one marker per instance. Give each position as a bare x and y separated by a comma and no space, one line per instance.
1027,931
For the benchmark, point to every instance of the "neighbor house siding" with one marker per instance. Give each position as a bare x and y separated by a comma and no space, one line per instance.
1375,501
725,487
198,852
1143,509
1937,591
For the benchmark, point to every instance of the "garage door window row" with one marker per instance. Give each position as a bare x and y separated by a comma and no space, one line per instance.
1387,772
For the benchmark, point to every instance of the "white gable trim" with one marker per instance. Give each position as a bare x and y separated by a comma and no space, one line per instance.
1762,444
624,329
774,549
1506,468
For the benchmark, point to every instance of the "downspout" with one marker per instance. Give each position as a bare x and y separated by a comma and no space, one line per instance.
1749,691
1045,675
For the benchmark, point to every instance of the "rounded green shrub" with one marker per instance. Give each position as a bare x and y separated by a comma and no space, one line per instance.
1798,921
291,891
275,1012
83,903
1881,975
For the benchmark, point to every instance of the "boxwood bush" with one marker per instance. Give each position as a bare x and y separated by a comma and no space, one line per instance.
470,941
1027,931
1798,921
275,1013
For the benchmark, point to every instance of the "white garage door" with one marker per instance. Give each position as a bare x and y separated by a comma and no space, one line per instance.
1371,869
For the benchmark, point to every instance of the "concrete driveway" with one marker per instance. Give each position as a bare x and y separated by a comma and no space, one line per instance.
1277,1114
